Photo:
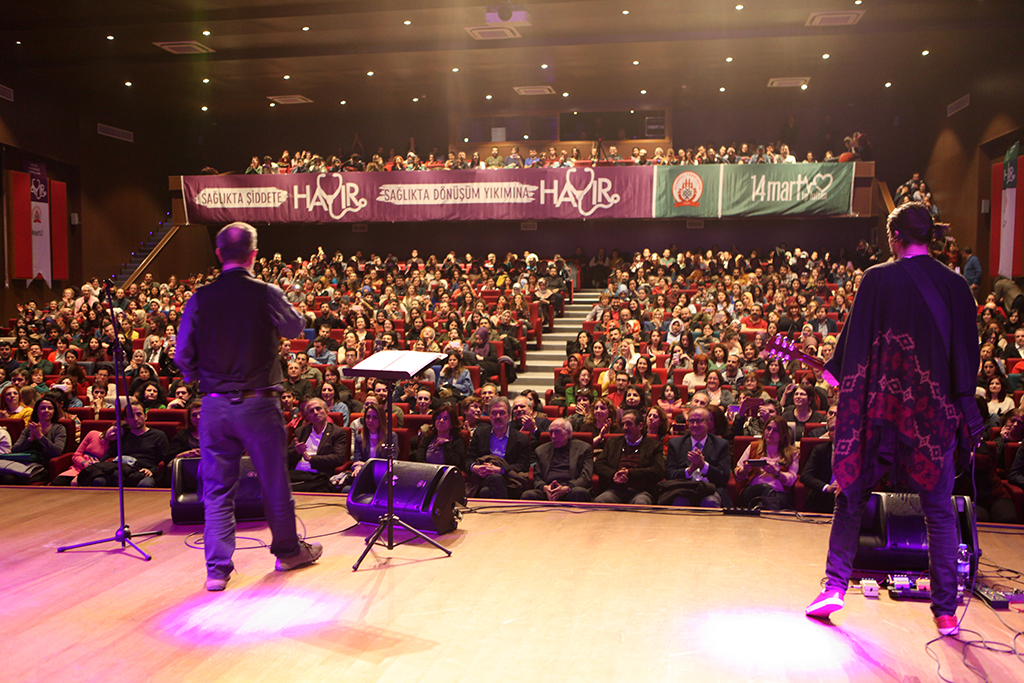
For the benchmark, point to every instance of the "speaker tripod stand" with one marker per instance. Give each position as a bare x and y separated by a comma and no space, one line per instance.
391,367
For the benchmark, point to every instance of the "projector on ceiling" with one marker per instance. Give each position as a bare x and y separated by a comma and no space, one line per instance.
507,13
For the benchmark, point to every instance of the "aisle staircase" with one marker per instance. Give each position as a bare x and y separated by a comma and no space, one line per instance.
542,364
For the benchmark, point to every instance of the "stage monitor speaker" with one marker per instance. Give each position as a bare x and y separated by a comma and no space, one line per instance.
425,494
187,492
893,536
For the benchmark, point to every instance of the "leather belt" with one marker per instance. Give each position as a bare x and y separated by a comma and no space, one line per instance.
247,393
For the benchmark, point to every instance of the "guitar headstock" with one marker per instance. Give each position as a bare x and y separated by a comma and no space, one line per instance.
787,350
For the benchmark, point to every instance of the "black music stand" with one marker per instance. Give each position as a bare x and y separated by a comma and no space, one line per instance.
390,367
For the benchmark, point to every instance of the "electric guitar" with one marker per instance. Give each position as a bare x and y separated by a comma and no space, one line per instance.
786,350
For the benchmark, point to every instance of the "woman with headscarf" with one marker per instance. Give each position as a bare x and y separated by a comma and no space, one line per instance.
484,352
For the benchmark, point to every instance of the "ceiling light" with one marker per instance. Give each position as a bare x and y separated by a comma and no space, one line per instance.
856,2
575,113
110,37
565,94
415,99
888,84
924,53
273,104
17,42
803,86
206,80
632,111
487,97
625,11
455,70
728,59
643,92
526,137
205,107
543,66
465,139
739,7
635,62
206,33
344,101
406,22
128,83
305,28
721,90
369,73
826,56
287,77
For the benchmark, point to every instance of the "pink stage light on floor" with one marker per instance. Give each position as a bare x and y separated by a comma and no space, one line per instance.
246,615
762,641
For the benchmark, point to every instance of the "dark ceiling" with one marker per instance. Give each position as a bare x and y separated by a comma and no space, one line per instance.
413,47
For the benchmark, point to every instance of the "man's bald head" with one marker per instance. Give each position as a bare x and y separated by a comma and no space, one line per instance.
236,243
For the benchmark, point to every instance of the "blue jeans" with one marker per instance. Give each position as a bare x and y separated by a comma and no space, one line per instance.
227,431
940,521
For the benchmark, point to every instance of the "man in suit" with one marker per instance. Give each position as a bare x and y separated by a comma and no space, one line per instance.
564,467
497,454
631,465
824,324
1016,349
700,456
320,445
817,473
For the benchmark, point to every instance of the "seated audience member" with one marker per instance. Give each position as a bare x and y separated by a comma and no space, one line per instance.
37,381
999,399
656,422
442,443
329,394
150,395
485,354
182,395
698,376
768,485
564,467
142,451
380,397
718,395
471,408
321,353
319,448
98,399
92,449
370,437
630,466
37,360
698,457
42,440
143,375
498,456
566,376
300,387
671,400
817,473
525,420
455,377
185,443
312,374
801,412
584,386
11,405
582,417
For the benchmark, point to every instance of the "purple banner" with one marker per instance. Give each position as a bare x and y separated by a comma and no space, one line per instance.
508,194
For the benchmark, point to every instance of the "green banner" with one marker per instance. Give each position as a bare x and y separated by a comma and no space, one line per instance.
688,191
725,191
787,190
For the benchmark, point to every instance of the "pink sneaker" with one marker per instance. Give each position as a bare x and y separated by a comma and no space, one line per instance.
947,625
830,600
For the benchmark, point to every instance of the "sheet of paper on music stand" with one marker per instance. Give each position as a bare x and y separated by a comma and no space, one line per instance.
394,364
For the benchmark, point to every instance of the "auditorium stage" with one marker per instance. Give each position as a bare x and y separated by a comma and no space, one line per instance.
551,595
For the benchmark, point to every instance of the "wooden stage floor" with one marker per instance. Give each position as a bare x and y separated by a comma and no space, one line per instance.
551,595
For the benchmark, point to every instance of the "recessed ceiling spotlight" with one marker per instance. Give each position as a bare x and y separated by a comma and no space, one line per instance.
575,113
415,99
739,7
455,70
543,66
803,86
344,101
924,53
17,42
631,111
206,33
888,84
643,92
826,56
856,2
565,94
465,139
721,90
487,97
128,83
526,137
406,22
369,73
273,104
287,77
625,11
728,59
305,28
635,62
205,107
206,80
110,37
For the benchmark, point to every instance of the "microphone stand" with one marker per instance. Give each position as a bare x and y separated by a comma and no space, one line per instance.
123,534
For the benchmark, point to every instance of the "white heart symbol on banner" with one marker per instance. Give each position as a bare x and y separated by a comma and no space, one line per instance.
821,176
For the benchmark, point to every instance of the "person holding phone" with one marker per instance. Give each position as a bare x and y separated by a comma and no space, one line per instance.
769,469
